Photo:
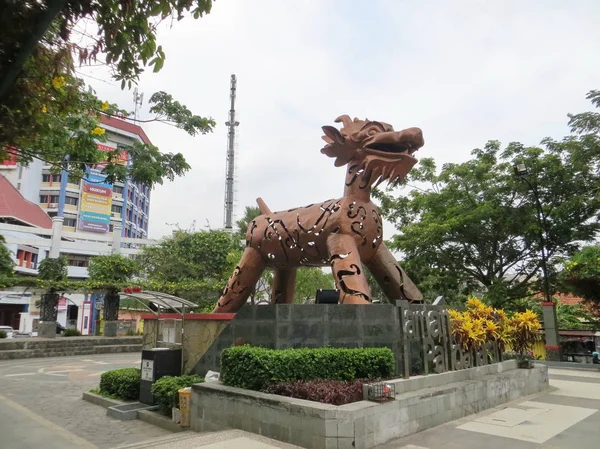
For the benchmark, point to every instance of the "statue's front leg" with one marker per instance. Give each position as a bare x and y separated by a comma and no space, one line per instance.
241,283
347,269
391,277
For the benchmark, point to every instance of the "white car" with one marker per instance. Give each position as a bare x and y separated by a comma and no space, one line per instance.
9,331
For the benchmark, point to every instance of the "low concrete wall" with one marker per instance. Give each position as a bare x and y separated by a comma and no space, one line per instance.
22,348
200,330
421,402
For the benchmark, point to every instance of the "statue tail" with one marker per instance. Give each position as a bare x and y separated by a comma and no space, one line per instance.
264,209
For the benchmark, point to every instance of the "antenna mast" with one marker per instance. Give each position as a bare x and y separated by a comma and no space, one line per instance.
138,99
230,167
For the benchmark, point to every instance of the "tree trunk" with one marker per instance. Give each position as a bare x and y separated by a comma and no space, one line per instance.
111,305
49,307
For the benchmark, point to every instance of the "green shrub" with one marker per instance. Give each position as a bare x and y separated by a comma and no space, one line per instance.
130,332
254,368
71,333
166,389
3,334
121,383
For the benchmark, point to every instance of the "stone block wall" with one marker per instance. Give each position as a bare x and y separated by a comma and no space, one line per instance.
421,402
287,326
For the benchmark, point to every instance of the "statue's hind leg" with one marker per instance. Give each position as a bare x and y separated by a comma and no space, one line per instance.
391,277
284,286
241,283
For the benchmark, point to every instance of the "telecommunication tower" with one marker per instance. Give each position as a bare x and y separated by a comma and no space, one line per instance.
230,161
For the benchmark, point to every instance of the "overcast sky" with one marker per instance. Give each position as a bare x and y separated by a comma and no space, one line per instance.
464,71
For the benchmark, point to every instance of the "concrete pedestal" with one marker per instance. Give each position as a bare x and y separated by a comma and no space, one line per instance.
110,329
47,329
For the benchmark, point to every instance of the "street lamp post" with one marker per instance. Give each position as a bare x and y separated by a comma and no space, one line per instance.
522,171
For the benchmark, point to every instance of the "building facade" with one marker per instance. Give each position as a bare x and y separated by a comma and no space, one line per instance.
45,214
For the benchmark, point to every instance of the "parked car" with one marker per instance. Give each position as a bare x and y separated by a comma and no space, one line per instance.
9,331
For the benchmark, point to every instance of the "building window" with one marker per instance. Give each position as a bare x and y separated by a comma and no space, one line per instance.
71,200
50,178
118,189
72,222
48,198
74,260
117,209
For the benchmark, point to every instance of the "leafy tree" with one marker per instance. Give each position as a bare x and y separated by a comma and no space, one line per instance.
111,269
190,255
582,276
45,110
309,280
476,222
6,261
250,213
54,271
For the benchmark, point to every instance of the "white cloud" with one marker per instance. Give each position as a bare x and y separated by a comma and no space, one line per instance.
463,71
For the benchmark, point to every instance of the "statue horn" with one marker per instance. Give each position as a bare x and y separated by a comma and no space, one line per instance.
345,119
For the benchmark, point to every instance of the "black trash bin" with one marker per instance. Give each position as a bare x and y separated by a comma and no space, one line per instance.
157,363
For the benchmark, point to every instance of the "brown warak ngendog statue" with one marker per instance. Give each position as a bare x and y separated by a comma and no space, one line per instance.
343,233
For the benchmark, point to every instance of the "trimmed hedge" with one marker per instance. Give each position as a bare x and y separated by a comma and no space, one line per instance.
121,383
166,389
253,368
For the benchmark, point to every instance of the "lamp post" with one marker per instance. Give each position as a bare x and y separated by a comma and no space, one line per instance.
521,170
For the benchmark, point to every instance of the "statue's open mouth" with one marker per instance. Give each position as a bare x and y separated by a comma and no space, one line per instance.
397,142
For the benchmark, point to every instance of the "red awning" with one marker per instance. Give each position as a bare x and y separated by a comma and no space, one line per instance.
14,206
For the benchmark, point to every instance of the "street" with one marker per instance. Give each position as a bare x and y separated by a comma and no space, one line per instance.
41,405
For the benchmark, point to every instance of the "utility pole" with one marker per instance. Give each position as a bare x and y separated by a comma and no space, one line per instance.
230,167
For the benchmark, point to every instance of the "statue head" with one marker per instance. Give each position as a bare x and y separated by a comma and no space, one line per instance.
374,149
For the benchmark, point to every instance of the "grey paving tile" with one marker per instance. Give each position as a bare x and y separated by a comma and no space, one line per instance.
590,380
583,435
567,400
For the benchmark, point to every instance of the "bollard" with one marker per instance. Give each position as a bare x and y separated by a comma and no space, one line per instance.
185,399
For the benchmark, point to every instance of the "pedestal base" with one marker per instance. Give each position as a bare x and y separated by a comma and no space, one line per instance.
110,329
47,329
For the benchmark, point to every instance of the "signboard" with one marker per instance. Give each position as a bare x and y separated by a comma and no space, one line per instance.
95,202
62,305
148,370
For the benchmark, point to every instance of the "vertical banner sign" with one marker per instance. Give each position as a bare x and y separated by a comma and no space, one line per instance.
95,202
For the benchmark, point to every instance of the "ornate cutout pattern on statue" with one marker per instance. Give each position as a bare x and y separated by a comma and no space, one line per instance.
345,233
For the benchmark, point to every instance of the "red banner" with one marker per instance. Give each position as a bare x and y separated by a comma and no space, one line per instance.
97,190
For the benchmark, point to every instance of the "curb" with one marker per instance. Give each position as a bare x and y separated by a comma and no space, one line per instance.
154,418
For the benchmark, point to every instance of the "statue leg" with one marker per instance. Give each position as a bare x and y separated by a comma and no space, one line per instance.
347,269
241,283
391,277
284,286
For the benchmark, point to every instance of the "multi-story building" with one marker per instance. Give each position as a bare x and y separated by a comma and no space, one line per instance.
91,212
91,205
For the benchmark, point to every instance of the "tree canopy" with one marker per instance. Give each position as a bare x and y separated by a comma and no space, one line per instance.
582,275
6,262
113,268
473,226
46,111
190,255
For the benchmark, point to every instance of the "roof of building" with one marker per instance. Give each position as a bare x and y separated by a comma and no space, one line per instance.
125,126
14,205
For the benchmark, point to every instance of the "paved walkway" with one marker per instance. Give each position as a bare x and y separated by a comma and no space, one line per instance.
567,417
41,405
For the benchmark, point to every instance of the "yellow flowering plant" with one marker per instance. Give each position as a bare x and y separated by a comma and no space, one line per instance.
480,323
